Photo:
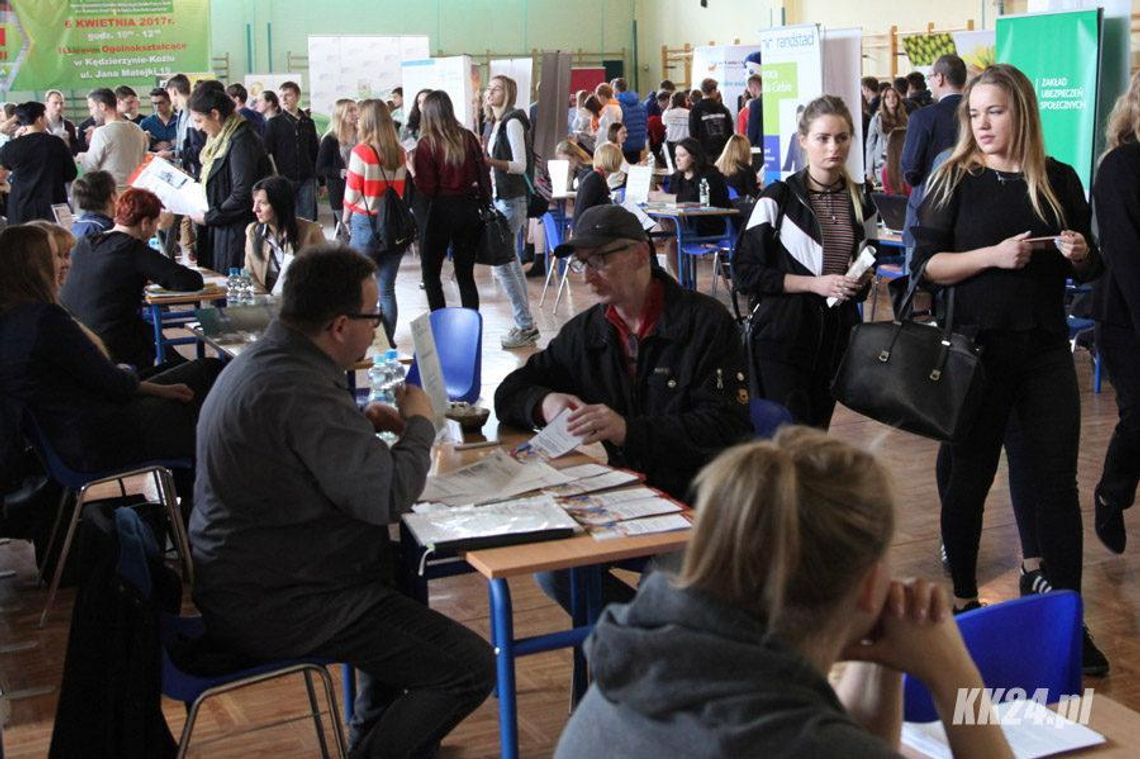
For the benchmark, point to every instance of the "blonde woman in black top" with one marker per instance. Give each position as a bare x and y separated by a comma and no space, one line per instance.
987,207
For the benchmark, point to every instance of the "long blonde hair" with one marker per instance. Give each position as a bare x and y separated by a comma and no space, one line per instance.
832,105
1028,143
737,155
510,90
786,527
377,129
441,130
339,126
1124,121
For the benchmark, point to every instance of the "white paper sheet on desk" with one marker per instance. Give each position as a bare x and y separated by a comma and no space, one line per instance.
495,477
1039,731
646,526
554,439
598,510
611,479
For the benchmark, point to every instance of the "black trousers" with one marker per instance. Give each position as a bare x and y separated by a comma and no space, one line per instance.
1120,351
1031,373
806,390
419,675
451,222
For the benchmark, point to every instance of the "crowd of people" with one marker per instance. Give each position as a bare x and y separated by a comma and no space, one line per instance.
787,571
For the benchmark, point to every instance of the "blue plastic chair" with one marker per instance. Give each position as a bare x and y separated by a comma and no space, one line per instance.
767,417
137,548
459,343
1028,643
554,230
723,245
77,482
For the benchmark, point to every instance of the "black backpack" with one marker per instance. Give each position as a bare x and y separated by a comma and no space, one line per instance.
393,227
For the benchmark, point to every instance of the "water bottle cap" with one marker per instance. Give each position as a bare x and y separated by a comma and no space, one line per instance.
235,271
378,359
391,354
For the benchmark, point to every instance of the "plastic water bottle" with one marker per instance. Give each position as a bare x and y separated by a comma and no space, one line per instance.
704,193
395,374
248,294
379,391
234,287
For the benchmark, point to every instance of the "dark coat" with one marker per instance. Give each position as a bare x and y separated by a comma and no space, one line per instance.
689,400
1116,201
221,243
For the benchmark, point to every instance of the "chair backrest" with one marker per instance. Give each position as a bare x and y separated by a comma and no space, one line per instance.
892,210
767,417
732,193
458,336
57,469
553,229
1027,643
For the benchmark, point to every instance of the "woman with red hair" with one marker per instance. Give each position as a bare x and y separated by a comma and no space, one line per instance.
109,271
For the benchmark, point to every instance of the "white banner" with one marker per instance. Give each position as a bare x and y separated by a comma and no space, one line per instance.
455,75
358,67
792,68
842,68
519,69
730,66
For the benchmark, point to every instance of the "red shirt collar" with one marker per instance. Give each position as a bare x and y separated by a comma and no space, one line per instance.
654,306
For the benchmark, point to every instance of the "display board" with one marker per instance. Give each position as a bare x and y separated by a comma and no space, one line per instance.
455,75
842,68
84,44
792,68
357,66
730,66
519,69
1064,74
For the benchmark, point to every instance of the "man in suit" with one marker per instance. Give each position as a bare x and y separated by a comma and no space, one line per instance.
929,131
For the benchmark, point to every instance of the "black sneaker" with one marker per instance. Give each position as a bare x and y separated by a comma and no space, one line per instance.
1035,582
1093,661
1109,524
945,559
971,606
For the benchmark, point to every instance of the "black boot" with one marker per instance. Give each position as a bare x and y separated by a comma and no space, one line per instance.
528,253
538,270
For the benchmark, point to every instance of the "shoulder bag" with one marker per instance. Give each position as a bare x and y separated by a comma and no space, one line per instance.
917,377
495,245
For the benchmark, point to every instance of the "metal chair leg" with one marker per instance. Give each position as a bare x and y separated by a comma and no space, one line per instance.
177,527
315,711
62,560
188,728
549,273
561,289
54,532
334,712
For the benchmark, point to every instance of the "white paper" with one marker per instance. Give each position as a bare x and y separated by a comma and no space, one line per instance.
177,190
597,510
611,479
431,373
559,171
494,477
647,526
646,221
637,183
585,470
554,439
860,266
1031,729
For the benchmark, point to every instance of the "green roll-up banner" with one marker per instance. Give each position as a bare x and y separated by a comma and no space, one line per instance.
83,44
1060,53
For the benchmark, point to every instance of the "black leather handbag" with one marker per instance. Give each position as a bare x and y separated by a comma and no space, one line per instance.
917,377
496,244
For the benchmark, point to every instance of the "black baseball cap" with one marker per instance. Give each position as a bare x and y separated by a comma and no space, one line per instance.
600,225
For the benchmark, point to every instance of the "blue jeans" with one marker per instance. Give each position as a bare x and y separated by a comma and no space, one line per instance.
306,199
388,265
511,277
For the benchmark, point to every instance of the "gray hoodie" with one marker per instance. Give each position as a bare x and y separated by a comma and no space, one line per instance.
679,673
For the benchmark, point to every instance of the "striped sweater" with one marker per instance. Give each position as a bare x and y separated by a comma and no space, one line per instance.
367,181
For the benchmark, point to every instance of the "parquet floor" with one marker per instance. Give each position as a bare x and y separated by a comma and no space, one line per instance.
1111,584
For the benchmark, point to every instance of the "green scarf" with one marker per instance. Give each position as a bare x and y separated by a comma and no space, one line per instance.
217,145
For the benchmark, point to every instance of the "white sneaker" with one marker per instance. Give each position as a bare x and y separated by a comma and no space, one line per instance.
519,338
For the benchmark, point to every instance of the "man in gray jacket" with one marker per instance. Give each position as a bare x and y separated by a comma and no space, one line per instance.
294,496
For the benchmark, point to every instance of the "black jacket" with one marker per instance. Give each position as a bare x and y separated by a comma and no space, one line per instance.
105,289
744,181
787,327
229,193
1116,203
294,145
330,164
688,403
511,185
711,124
689,191
592,191
41,167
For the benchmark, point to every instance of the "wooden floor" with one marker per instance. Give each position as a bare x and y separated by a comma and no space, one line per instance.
1111,584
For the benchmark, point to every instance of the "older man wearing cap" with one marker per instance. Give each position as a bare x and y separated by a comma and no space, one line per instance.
653,372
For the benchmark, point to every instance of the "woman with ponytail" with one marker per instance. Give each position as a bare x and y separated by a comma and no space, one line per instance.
794,255
786,574
1007,226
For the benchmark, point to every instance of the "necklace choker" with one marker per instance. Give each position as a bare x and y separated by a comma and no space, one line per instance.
835,186
1005,177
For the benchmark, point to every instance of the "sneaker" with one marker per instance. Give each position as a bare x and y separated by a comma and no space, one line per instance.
1109,523
945,559
1033,583
1093,661
971,606
519,338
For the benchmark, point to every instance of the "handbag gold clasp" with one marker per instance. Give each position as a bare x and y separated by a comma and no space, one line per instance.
884,356
935,374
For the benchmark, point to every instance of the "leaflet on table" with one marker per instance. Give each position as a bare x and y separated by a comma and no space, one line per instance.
619,506
646,526
495,477
209,289
1031,729
177,190
612,478
554,439
481,526
860,266
647,222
